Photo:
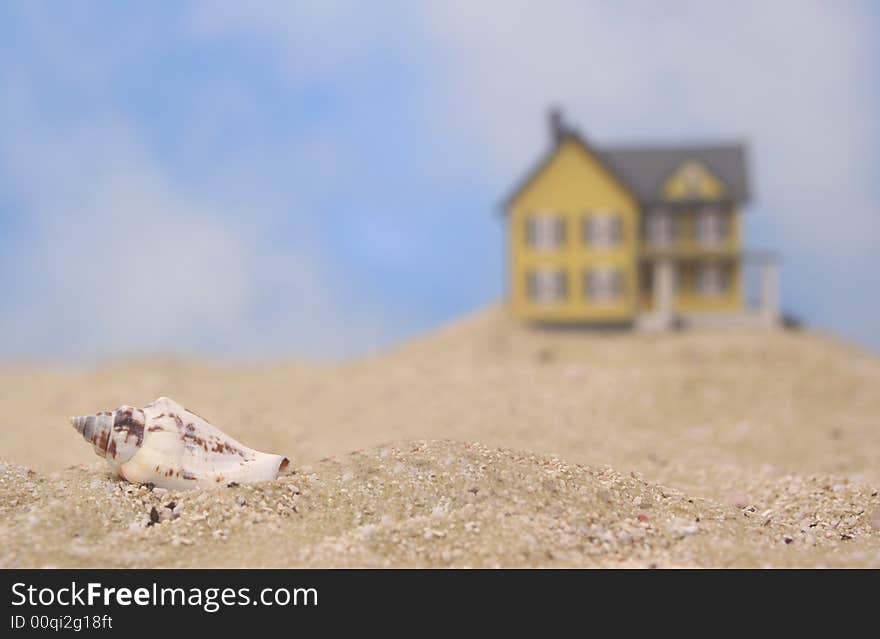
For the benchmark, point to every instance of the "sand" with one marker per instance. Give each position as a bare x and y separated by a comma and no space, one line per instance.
483,444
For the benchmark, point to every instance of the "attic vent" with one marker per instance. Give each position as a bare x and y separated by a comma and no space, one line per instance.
692,175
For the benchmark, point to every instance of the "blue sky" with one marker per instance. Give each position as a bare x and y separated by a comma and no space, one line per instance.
320,179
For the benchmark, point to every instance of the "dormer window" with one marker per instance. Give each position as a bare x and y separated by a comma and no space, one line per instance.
711,226
660,227
545,231
693,181
602,230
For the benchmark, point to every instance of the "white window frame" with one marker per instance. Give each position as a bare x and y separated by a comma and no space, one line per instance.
546,286
603,230
711,226
545,231
660,227
604,284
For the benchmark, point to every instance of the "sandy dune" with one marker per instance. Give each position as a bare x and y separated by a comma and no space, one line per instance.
509,446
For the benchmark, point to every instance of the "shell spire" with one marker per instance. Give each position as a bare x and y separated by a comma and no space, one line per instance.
115,435
169,446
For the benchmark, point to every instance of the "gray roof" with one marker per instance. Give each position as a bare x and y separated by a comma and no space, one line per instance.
645,169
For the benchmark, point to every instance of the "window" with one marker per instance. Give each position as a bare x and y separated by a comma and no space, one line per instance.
660,227
603,284
546,285
711,226
602,230
712,279
545,232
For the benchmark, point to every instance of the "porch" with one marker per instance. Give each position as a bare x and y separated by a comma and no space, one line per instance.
732,291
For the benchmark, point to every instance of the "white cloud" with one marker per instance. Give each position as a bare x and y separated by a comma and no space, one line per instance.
310,40
122,259
794,76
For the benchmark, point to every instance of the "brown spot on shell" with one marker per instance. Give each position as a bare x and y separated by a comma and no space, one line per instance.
187,475
105,438
284,464
126,422
226,447
112,448
210,445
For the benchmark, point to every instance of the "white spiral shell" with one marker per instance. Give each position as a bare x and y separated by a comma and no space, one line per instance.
169,446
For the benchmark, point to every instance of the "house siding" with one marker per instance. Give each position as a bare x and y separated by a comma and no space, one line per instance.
573,184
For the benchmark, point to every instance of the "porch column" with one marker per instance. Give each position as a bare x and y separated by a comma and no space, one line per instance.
770,291
663,284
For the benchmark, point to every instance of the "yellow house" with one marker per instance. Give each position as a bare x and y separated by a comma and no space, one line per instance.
645,236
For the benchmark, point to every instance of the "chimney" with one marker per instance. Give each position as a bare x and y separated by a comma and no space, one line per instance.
557,128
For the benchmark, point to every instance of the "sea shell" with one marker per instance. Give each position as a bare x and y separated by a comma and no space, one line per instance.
169,446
